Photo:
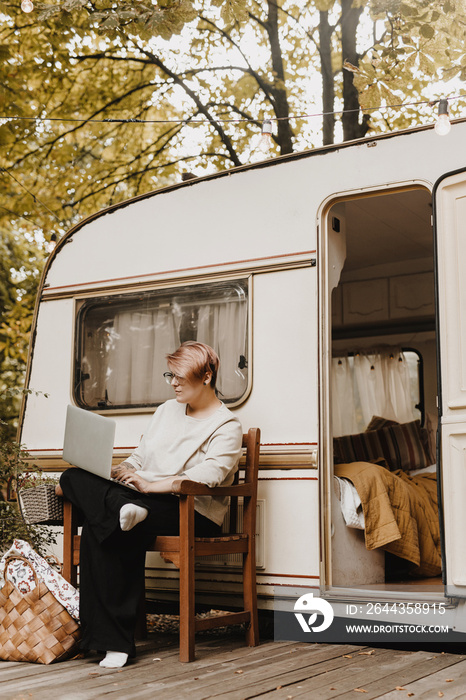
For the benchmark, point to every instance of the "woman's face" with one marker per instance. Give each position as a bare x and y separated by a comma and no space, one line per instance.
188,390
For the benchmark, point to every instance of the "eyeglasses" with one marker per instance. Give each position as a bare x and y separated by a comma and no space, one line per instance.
169,377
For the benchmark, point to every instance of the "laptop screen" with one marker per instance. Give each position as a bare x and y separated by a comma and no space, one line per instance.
89,440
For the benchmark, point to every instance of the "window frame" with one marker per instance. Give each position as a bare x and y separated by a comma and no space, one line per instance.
84,304
420,375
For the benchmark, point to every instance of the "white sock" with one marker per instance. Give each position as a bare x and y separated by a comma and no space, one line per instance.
131,515
114,659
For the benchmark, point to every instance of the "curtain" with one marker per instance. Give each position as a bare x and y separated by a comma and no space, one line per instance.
223,326
136,343
370,383
342,385
139,341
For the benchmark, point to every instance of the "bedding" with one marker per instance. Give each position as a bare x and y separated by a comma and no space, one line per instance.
350,504
400,513
395,446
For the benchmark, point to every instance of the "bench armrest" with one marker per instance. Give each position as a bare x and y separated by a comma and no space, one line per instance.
185,487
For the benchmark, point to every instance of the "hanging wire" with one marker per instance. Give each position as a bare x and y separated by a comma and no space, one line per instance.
115,120
269,120
21,216
36,200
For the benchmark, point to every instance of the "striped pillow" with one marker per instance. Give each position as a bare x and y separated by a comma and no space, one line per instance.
400,445
378,422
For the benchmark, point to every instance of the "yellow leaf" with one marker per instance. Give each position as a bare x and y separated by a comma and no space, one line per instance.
361,82
426,65
370,98
6,136
388,95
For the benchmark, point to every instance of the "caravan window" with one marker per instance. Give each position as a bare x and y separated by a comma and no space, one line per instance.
122,341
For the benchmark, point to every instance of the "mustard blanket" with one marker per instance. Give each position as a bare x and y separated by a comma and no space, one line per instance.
400,513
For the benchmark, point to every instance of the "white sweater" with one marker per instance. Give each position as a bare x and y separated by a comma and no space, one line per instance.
206,450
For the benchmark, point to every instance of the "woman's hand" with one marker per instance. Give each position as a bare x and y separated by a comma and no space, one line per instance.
137,481
144,486
122,469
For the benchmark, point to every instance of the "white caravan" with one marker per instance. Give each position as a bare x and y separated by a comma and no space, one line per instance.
292,269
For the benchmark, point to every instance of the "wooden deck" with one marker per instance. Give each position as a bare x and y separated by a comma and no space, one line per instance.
226,670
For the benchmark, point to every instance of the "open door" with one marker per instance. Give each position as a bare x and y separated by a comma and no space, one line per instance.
450,228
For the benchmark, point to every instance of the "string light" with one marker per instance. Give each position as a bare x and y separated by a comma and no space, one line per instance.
27,6
265,143
443,126
236,120
262,145
51,244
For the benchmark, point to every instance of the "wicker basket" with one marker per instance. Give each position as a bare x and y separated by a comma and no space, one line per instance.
34,626
41,505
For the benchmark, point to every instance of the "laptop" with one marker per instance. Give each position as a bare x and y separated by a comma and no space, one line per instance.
88,443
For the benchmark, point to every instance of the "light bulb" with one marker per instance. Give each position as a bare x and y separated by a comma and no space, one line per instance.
27,6
262,145
265,143
443,126
51,244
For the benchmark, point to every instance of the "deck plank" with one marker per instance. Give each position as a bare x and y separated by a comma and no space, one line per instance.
450,681
238,677
314,679
225,668
387,673
204,677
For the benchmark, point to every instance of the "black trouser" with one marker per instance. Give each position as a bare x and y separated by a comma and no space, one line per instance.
112,562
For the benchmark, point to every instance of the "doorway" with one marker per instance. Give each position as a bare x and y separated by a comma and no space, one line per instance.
381,383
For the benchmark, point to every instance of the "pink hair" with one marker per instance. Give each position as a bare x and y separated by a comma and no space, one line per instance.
194,360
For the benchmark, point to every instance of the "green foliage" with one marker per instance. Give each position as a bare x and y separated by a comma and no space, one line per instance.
20,267
165,18
110,60
102,101
422,43
71,68
13,468
12,526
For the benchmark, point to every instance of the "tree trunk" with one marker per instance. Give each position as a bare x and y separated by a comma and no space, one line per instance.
328,84
278,88
352,127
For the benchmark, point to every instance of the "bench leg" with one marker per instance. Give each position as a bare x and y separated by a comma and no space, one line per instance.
187,601
70,529
250,597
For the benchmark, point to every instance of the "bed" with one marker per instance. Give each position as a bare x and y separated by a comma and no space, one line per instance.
385,489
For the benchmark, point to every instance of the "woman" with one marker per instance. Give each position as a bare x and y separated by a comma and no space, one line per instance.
194,436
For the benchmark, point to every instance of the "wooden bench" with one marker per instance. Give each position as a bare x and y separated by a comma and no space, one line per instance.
181,550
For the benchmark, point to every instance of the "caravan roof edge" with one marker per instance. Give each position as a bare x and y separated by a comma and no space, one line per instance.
321,150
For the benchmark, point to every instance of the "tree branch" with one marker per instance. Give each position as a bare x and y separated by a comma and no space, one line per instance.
200,106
